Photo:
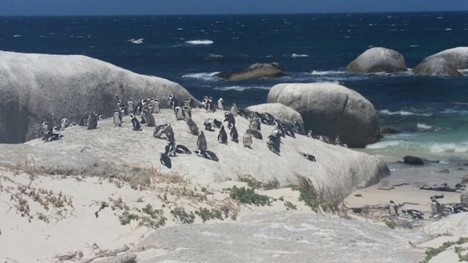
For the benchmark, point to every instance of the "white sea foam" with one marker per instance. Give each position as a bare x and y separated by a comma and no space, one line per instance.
211,55
460,147
200,42
384,145
294,55
201,75
403,113
325,73
424,127
15,36
448,29
136,41
414,45
242,88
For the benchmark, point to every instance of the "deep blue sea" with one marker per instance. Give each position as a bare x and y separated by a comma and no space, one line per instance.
430,112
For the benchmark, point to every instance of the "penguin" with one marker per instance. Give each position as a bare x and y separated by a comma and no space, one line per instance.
92,121
164,159
201,142
256,134
217,123
274,144
44,128
52,135
436,208
156,108
150,121
222,136
310,134
208,124
207,155
64,123
393,209
243,113
188,103
117,118
192,127
339,143
234,135
207,104
173,102
187,112
179,113
280,127
415,214
298,128
169,133
234,110
159,131
172,149
289,131
130,106
220,104
231,120
309,157
84,120
135,123
247,140
139,108
254,123
182,149
457,208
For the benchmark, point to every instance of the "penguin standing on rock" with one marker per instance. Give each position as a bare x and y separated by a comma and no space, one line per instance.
130,107
92,121
201,142
234,110
117,118
222,136
159,131
231,120
192,127
220,104
150,121
164,159
169,133
135,123
234,135
247,140
64,123
393,209
156,107
173,102
179,113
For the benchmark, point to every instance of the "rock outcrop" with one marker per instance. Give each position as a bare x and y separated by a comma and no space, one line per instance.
445,63
37,88
254,71
331,109
464,197
279,111
378,59
122,152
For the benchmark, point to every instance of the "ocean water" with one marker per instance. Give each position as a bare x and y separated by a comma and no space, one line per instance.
430,112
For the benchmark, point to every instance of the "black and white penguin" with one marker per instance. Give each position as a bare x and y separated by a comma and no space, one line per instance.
234,110
298,128
64,123
139,108
273,144
169,132
256,134
243,112
179,113
220,104
156,108
189,103
247,139
150,121
164,159
231,120
135,123
182,149
201,142
457,208
130,106
207,155
209,124
92,121
234,135
222,136
117,119
309,157
392,209
187,112
415,214
280,127
217,123
193,128
338,142
159,131
254,123
52,135
172,148
436,208
173,102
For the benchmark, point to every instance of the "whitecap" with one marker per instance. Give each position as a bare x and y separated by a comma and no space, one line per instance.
324,73
242,88
460,147
384,144
403,113
136,41
216,56
414,45
200,42
448,29
201,75
424,127
15,36
180,29
294,55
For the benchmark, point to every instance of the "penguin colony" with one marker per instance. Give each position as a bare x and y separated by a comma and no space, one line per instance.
142,113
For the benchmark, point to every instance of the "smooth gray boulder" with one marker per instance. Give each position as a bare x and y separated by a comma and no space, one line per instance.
464,197
254,71
378,59
445,63
279,111
122,152
331,109
38,87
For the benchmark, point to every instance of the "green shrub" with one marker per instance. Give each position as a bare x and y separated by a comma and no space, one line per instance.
182,216
206,214
248,196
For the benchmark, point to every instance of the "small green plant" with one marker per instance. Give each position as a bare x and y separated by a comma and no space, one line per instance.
290,205
155,219
251,182
432,252
182,216
248,196
206,214
312,198
391,224
126,217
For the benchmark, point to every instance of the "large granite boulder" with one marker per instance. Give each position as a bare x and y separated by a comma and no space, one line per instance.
464,197
37,88
331,109
445,63
279,111
122,152
254,71
378,59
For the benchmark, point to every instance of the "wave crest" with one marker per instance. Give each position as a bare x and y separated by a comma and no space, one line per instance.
199,42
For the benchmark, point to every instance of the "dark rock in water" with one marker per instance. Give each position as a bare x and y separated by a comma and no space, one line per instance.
413,160
255,71
388,130
445,63
38,87
444,171
378,59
